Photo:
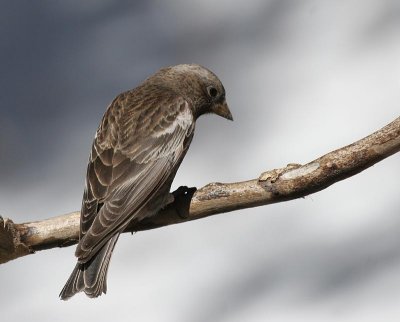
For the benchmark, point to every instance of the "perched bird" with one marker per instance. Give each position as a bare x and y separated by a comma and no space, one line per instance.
138,147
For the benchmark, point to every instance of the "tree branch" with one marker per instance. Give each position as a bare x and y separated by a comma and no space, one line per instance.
291,182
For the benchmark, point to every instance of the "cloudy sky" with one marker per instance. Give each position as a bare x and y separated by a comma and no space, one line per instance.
302,78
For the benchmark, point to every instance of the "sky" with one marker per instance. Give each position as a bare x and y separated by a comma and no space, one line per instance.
302,78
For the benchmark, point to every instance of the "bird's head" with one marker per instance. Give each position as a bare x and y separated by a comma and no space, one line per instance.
199,86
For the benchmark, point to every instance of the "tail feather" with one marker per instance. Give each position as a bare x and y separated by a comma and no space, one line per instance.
90,277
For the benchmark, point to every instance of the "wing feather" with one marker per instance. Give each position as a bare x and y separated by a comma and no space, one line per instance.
134,158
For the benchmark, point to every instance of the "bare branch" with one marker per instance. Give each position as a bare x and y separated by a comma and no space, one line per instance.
293,181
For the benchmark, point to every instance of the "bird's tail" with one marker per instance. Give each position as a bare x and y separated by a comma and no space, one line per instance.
90,277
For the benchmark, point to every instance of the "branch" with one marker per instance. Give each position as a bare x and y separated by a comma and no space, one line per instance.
288,183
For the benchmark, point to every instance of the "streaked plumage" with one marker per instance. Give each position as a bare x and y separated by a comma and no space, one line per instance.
137,150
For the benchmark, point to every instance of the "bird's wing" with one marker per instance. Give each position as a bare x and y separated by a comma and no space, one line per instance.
135,151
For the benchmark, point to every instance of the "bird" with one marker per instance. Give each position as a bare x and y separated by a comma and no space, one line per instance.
137,150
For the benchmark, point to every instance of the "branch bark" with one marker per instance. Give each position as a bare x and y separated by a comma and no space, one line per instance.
291,182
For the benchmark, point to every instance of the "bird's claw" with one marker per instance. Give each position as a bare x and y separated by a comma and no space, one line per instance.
182,197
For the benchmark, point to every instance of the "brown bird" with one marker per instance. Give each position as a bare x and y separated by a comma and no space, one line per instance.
138,147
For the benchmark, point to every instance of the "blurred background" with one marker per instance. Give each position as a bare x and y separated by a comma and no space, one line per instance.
302,78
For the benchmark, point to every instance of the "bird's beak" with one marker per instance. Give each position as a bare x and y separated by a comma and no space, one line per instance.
222,109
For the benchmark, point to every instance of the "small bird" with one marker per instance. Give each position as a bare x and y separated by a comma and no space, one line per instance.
138,147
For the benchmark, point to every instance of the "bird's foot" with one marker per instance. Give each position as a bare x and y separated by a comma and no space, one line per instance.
181,199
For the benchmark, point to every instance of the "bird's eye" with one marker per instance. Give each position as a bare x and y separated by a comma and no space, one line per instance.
212,91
